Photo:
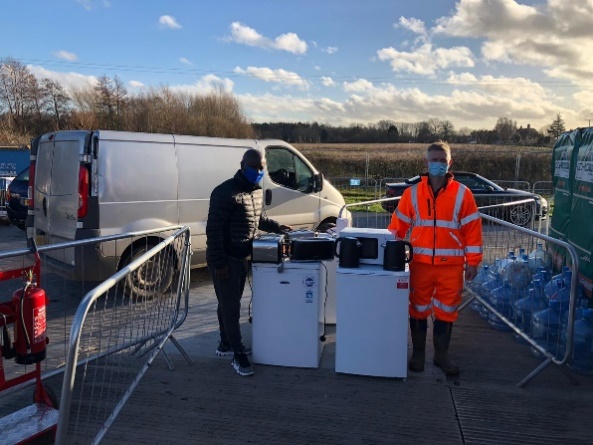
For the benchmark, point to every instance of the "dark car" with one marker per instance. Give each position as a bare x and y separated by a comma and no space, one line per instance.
16,199
486,193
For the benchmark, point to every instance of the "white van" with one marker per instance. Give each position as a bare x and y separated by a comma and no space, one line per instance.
94,183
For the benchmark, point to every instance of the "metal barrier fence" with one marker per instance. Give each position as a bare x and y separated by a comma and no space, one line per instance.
520,295
64,296
510,303
518,209
117,332
360,189
519,185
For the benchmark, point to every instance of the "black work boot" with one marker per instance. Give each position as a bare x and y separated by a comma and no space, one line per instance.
441,337
418,330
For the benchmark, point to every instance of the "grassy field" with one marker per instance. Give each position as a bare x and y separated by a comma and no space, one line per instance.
400,160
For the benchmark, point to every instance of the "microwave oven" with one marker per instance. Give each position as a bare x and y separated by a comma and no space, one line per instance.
373,243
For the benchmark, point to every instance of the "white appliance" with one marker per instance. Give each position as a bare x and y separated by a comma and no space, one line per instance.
287,313
330,300
373,243
372,332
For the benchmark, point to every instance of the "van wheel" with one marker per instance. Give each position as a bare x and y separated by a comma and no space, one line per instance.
325,226
151,279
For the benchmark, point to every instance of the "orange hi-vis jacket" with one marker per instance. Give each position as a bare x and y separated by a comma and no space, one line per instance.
446,228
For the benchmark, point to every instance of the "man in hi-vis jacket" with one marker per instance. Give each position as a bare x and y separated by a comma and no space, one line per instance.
447,239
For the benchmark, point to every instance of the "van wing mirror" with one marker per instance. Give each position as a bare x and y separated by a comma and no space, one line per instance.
317,182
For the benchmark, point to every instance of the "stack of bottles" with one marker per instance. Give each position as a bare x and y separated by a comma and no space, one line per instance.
522,289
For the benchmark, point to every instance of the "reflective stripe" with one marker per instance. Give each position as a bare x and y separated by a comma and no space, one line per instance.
414,198
403,217
444,307
438,252
473,249
422,308
458,202
439,223
470,218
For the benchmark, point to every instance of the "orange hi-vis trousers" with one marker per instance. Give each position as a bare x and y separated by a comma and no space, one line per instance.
435,289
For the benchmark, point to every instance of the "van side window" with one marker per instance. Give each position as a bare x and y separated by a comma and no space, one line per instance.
288,170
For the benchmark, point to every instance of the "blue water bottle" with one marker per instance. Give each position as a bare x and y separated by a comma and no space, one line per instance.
581,360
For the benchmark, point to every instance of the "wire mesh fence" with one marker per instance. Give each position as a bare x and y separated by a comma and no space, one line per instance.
117,331
132,297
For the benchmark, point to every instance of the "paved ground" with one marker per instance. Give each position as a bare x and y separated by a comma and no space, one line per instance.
208,403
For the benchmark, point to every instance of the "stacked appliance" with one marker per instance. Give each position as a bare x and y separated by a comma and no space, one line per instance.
372,295
289,296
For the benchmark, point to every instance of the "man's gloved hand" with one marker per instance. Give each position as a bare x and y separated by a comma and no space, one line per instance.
470,272
285,228
222,273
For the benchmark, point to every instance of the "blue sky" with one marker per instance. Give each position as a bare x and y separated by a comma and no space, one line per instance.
330,61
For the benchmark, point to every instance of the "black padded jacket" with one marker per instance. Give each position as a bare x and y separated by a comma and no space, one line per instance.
234,216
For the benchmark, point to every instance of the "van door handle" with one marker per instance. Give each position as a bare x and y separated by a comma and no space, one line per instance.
44,203
268,197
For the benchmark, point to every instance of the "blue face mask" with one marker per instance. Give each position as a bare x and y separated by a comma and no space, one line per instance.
438,168
253,175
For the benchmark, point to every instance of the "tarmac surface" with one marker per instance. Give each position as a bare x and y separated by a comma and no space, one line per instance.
208,403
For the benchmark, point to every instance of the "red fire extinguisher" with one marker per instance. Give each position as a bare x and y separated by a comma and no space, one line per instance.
29,324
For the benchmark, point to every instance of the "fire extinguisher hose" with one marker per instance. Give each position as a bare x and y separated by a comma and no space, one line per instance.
23,326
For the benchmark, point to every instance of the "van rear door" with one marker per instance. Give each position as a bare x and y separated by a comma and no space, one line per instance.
56,194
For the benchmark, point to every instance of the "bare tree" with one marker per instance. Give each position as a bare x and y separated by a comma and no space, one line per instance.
56,101
506,128
15,90
447,130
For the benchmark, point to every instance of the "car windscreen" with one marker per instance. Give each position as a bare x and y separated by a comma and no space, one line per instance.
23,176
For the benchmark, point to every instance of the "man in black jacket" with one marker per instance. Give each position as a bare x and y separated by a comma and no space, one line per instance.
234,217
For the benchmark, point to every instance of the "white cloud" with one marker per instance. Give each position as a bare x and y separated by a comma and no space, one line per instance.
515,87
328,81
425,60
168,22
70,81
552,35
136,84
479,108
248,36
65,55
414,25
358,86
277,76
86,4
330,49
185,61
207,84
89,5
317,68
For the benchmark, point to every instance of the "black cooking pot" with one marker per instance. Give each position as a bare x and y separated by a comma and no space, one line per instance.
349,251
395,256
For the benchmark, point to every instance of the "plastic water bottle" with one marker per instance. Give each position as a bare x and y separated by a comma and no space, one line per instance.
505,262
476,285
546,324
582,354
540,258
551,285
502,298
524,308
518,275
488,286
